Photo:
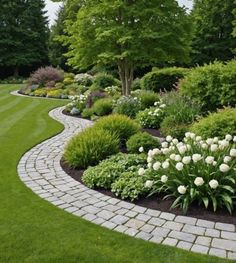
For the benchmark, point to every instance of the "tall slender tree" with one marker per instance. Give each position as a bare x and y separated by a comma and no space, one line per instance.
213,23
128,33
23,34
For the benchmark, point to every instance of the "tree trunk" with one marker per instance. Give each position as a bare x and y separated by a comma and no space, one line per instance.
126,73
16,72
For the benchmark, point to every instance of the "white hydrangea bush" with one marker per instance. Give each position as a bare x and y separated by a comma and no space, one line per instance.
194,170
77,102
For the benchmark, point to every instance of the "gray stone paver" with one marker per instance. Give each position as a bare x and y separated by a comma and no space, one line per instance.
40,170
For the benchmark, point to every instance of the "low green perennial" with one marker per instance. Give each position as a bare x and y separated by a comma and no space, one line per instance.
103,106
90,147
142,142
216,124
127,105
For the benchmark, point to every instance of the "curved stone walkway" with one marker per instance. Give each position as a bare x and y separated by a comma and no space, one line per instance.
40,170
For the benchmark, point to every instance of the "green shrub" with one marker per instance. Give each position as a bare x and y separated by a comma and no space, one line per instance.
103,80
127,105
212,85
89,147
151,117
103,107
216,124
40,92
143,140
57,93
163,79
174,127
129,186
136,85
105,173
87,113
84,79
147,99
119,125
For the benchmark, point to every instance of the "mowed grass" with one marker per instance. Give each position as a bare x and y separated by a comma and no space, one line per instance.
33,230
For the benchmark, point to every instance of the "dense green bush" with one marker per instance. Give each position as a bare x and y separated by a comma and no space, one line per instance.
103,80
129,186
87,113
127,105
121,126
171,125
147,99
136,85
103,107
212,85
151,117
163,79
142,142
216,124
105,173
89,147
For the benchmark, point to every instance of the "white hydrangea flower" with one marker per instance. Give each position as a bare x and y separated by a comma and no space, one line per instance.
162,106
165,165
150,153
232,152
156,166
228,137
234,139
149,165
182,189
187,134
215,139
164,179
186,159
182,149
224,168
141,171
172,156
175,141
209,159
149,159
156,151
169,138
214,147
198,181
177,158
214,163
164,145
188,147
223,144
179,166
192,135
209,141
198,138
149,184
213,184
204,146
196,157
227,159
165,151
141,149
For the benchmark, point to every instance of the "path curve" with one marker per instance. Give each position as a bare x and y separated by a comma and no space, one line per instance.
40,170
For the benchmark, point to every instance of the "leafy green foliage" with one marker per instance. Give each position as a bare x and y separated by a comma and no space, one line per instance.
129,186
213,28
24,34
165,79
127,105
104,80
212,85
87,113
103,107
108,171
143,140
216,124
89,147
147,99
121,33
121,126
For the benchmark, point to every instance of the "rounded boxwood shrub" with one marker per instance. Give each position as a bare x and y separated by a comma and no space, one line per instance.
144,140
147,99
103,80
103,107
212,85
89,147
87,113
163,79
121,126
216,124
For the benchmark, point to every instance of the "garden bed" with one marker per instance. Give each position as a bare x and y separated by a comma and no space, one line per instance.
156,202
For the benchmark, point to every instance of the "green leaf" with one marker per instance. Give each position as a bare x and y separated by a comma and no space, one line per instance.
205,201
228,188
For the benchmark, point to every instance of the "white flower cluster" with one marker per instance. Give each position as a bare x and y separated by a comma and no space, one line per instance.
80,78
195,158
112,90
76,99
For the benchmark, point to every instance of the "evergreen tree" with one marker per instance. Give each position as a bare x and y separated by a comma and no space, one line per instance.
213,38
128,34
23,34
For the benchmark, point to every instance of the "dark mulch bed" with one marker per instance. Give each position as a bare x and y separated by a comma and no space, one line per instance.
156,202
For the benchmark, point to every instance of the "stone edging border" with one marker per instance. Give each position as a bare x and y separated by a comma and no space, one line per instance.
40,170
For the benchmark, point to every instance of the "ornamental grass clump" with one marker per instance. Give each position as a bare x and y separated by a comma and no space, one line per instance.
89,147
195,170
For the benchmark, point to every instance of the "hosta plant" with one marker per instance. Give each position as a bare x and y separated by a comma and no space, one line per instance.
195,170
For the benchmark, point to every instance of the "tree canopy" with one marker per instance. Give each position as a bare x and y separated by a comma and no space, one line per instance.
213,26
128,34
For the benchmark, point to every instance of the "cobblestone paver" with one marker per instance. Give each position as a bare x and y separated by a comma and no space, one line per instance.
40,170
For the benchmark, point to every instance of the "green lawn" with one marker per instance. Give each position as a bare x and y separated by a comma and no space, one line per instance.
33,230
